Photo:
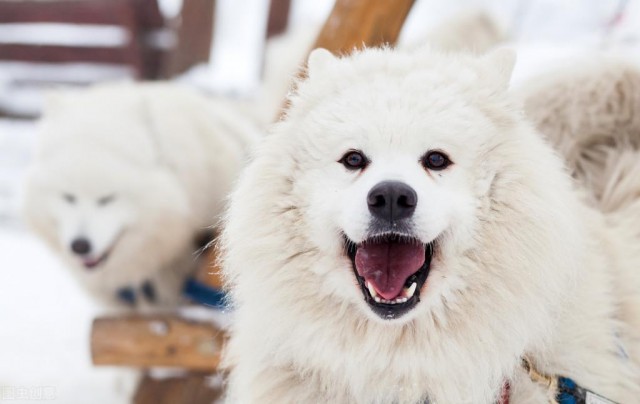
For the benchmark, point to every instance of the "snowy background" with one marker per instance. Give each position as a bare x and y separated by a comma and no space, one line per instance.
45,317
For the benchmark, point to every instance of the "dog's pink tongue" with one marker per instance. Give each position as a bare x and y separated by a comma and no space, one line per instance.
386,266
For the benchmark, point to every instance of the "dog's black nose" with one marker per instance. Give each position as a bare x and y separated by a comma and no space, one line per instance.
392,201
81,246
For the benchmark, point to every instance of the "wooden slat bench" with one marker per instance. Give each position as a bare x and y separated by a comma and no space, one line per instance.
72,13
109,39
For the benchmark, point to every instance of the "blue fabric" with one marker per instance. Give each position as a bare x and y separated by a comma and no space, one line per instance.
566,383
127,295
569,392
149,291
564,398
204,294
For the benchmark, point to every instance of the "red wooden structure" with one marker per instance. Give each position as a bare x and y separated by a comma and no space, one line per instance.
106,39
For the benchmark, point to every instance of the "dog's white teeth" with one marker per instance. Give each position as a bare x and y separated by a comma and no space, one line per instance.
372,290
408,292
406,295
397,300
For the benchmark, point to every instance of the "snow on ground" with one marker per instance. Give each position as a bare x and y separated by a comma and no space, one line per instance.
45,317
45,320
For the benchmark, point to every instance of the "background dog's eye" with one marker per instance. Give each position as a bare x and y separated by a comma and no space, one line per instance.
69,198
354,160
436,161
106,199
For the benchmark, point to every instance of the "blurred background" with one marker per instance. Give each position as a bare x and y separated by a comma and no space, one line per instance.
242,51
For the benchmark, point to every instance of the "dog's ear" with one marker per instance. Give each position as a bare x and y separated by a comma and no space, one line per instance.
498,66
319,59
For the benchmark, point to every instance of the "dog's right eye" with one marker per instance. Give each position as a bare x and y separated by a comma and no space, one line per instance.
69,198
354,160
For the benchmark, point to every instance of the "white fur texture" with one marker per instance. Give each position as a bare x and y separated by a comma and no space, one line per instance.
138,170
592,116
523,265
470,30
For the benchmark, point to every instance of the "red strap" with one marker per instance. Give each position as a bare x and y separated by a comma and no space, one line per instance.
504,395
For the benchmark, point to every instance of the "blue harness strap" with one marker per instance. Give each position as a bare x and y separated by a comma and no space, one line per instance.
569,392
563,389
204,294
127,296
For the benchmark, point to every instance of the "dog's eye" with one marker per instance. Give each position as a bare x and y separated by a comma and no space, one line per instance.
69,198
354,160
436,160
106,199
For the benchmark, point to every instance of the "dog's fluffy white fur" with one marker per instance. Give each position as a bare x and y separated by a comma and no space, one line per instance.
138,170
591,115
523,265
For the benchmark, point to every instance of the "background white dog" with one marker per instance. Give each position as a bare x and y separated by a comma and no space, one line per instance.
125,178
405,235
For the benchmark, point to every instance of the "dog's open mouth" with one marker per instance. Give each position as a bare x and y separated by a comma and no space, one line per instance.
92,263
391,270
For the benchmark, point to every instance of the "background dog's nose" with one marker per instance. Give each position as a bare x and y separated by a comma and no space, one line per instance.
392,201
81,246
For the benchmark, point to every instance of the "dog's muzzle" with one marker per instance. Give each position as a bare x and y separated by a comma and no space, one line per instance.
391,265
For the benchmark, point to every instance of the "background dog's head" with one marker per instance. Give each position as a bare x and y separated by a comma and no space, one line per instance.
113,220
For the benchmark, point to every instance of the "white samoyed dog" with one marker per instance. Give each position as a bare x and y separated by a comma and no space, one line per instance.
124,179
406,236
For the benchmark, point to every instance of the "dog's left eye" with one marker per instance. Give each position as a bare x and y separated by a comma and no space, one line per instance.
436,160
69,198
105,200
354,160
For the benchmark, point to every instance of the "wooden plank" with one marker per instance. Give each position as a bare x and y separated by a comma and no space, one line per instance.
191,389
149,18
194,30
355,23
69,54
148,14
101,12
66,11
156,341
278,17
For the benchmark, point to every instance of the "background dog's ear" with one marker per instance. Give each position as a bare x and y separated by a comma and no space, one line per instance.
498,65
318,60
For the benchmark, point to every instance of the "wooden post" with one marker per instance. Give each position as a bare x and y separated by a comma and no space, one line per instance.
356,23
194,31
190,389
159,341
278,17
